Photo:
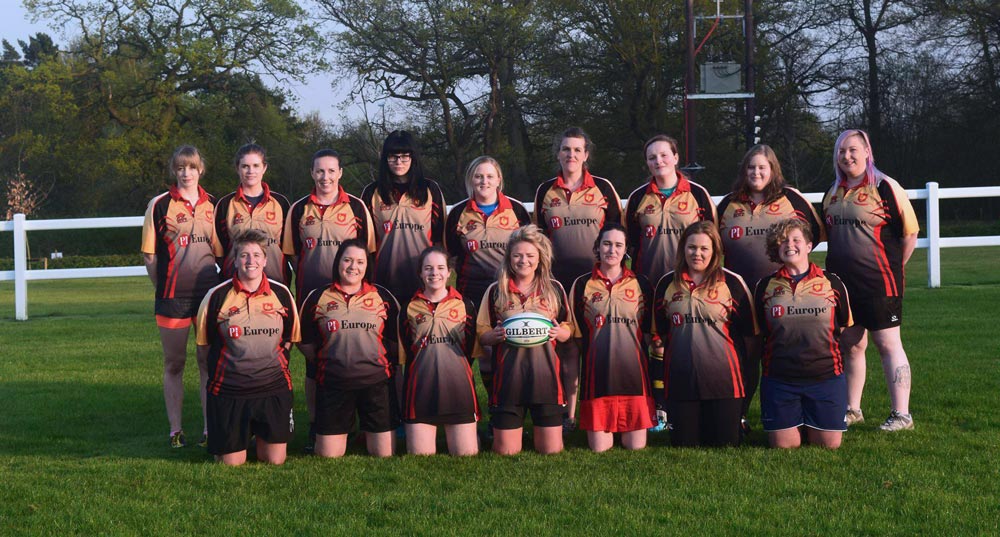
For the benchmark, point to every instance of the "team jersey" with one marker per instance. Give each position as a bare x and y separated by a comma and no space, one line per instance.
479,241
865,226
403,229
523,376
313,233
436,341
572,220
801,323
654,223
744,224
352,334
247,334
702,328
234,215
184,242
610,321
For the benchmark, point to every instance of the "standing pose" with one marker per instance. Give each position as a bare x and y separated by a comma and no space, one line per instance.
612,308
476,234
245,328
658,211
408,210
314,229
437,337
350,330
703,314
803,310
179,249
759,200
571,209
872,231
253,206
525,378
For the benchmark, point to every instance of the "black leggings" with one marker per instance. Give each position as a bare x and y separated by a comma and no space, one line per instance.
713,422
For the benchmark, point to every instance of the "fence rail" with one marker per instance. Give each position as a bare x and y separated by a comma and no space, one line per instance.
20,226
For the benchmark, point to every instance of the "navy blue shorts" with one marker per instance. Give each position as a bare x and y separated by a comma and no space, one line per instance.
819,405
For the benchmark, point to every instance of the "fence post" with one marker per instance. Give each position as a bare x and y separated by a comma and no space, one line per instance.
20,269
933,236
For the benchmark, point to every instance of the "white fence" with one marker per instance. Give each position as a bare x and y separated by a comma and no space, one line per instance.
20,226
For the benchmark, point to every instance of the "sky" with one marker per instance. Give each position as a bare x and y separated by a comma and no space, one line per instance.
316,95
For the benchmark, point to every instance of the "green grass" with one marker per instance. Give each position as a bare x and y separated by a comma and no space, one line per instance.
83,446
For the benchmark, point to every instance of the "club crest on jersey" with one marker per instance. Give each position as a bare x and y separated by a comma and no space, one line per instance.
310,243
598,321
181,218
596,297
341,218
184,240
774,208
555,222
649,231
271,216
777,311
676,319
472,245
267,306
630,293
235,332
682,206
368,302
504,220
862,197
713,294
453,314
736,233
818,287
588,197
332,325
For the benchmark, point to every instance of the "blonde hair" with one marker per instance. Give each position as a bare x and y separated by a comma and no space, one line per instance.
530,234
471,170
185,155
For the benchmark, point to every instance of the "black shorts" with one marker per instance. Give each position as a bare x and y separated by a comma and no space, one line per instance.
311,369
177,308
512,417
232,420
447,419
877,313
374,405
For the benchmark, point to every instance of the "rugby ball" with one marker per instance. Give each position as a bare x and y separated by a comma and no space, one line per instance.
527,329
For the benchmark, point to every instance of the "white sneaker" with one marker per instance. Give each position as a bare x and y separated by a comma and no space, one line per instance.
897,422
854,417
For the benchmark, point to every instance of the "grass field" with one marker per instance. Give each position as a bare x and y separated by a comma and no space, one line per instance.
83,446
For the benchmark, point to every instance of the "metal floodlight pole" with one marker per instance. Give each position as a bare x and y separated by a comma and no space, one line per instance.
751,73
689,87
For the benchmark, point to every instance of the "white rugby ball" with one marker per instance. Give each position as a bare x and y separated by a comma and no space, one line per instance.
527,329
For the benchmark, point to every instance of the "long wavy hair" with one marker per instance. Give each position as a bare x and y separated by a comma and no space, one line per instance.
402,142
774,188
872,174
543,272
704,227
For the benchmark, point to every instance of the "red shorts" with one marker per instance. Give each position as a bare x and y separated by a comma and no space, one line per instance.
617,413
169,322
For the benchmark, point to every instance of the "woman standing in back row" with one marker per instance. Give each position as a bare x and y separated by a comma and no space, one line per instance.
872,231
571,208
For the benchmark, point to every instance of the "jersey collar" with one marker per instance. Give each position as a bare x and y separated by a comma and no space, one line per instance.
503,204
512,287
588,181
597,274
365,288
175,194
341,197
683,185
242,196
452,293
263,289
814,271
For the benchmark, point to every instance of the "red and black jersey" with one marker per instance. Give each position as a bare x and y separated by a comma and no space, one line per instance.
479,241
801,324
523,376
436,340
403,229
744,224
702,328
610,321
865,226
572,220
248,334
234,214
313,233
184,242
654,223
352,334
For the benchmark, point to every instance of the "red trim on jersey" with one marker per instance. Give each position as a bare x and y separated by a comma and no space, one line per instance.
263,289
888,279
733,360
452,294
503,204
220,369
241,196
341,197
683,185
283,362
587,182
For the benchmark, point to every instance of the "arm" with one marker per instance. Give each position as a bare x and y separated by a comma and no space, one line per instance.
150,261
909,244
